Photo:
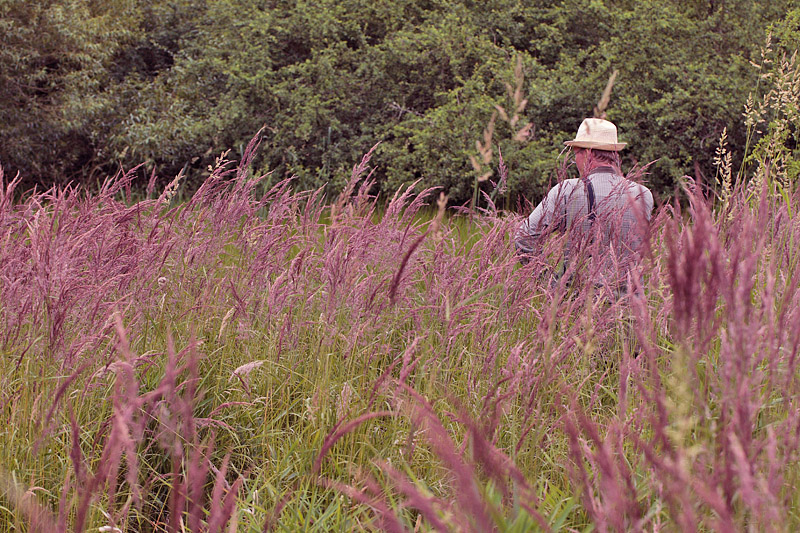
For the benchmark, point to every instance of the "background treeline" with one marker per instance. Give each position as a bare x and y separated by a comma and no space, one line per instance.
88,87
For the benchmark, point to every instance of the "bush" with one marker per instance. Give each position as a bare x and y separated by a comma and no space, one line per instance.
174,84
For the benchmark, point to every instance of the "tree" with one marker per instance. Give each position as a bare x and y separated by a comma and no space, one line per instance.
87,87
52,56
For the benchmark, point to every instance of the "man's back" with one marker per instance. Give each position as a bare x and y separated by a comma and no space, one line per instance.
612,235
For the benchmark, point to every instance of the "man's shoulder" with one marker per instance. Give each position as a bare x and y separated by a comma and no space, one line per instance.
638,187
644,191
641,193
565,186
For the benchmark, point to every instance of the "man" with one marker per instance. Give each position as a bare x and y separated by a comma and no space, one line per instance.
604,214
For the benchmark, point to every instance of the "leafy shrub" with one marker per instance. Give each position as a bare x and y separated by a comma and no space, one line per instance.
174,83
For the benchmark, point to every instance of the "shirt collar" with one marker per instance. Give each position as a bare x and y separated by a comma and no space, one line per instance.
601,169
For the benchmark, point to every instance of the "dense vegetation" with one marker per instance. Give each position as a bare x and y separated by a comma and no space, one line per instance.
273,362
264,355
87,87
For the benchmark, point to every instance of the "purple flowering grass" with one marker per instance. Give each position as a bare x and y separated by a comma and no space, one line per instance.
245,358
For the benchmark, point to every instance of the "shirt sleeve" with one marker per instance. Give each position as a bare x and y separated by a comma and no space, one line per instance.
548,216
648,204
645,199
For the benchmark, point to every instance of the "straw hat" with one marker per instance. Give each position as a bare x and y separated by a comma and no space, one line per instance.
598,134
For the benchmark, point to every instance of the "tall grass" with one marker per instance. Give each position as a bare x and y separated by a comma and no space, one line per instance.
247,361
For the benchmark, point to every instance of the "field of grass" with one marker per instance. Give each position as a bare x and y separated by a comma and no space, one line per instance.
248,361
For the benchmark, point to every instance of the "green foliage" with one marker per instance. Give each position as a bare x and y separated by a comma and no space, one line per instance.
173,83
772,114
52,57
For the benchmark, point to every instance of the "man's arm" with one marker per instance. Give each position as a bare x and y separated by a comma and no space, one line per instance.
648,203
540,220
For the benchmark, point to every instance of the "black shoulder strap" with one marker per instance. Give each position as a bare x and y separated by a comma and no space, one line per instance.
590,192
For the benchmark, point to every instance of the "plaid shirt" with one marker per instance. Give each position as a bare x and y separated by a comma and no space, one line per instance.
622,213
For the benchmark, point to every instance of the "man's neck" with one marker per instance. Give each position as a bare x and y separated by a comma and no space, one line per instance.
595,167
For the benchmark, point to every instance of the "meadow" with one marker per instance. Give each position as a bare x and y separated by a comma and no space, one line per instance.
258,358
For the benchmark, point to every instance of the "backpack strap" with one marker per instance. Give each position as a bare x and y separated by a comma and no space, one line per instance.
590,194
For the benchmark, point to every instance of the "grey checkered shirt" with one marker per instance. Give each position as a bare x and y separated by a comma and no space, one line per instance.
622,209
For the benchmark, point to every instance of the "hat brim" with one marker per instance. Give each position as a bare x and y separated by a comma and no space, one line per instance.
611,147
